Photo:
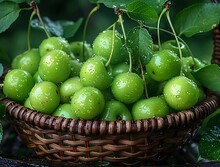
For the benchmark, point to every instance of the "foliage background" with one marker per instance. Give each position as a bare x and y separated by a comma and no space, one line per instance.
14,40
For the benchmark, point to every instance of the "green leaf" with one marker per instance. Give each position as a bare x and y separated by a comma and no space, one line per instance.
61,28
210,121
157,5
209,76
1,70
209,145
1,132
4,58
140,11
197,18
70,28
140,43
9,13
16,1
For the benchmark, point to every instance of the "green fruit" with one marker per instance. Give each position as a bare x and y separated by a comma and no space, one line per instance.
29,61
75,68
189,65
17,84
68,88
37,77
55,66
15,61
149,108
65,110
120,68
77,49
115,110
27,104
44,97
102,46
54,43
127,87
163,65
181,93
93,73
172,45
88,103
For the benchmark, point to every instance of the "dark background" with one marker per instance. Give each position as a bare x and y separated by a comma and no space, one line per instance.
14,40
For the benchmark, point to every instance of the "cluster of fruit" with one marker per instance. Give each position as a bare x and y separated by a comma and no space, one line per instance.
79,81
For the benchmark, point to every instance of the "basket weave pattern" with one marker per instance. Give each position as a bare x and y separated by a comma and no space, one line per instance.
125,142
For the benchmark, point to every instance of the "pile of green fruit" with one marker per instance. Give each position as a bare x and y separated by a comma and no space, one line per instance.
100,81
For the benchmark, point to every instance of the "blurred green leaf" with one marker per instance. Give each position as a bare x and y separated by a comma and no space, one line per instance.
209,145
139,41
210,121
140,11
4,58
9,13
157,5
16,1
1,132
70,28
209,76
197,18
1,70
61,28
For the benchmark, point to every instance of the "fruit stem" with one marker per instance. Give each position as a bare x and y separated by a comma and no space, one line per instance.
29,30
168,32
122,26
96,8
120,19
144,79
36,9
176,38
113,44
158,27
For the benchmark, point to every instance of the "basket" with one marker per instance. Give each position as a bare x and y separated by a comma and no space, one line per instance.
117,142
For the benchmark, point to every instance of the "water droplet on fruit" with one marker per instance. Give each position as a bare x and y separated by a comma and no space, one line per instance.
213,26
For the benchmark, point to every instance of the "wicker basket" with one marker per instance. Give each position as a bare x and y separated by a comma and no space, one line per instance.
120,142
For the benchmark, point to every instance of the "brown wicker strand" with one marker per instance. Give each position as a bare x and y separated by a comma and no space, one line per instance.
216,49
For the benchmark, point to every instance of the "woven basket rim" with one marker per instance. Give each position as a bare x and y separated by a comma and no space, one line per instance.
96,127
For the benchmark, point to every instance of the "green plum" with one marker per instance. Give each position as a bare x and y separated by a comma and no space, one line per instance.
115,110
181,93
68,88
93,73
55,66
65,110
17,84
163,65
127,87
102,46
54,43
77,49
172,45
149,108
44,97
88,103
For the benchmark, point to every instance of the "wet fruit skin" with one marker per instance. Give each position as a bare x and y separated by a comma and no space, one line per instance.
54,43
181,93
102,46
127,87
93,73
150,108
44,97
28,61
88,103
65,110
55,66
17,84
163,65
115,110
